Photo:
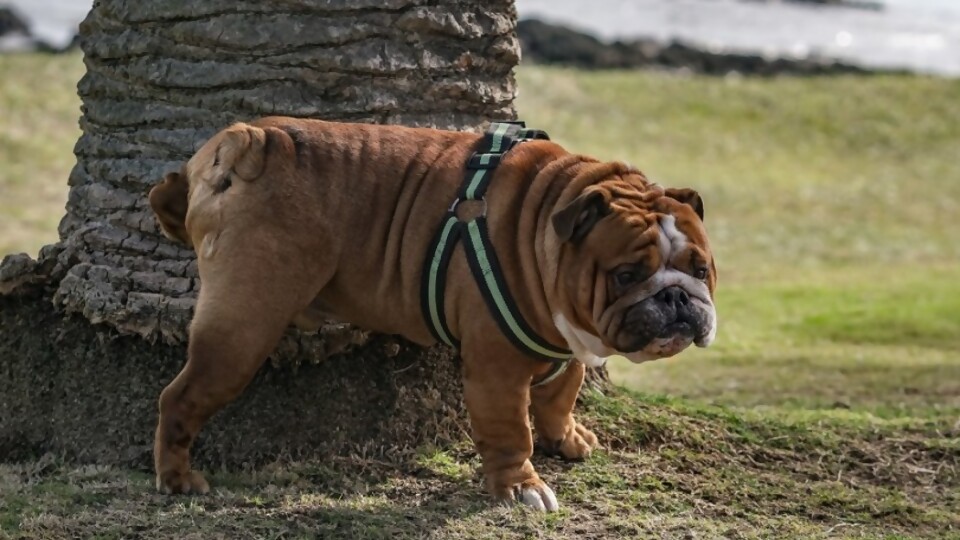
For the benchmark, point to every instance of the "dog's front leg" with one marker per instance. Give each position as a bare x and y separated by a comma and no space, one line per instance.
552,407
497,395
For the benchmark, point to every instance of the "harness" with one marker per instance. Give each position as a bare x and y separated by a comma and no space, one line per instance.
486,270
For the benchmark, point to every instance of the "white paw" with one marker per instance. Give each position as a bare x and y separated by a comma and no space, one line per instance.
539,497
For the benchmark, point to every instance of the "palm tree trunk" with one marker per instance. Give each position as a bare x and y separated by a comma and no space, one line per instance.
94,327
598,379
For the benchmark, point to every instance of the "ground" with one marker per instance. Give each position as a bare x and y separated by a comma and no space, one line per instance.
669,469
828,408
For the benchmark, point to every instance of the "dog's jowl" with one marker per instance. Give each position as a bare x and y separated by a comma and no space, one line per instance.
535,262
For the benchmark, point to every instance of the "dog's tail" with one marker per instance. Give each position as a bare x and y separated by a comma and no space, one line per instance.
238,151
169,200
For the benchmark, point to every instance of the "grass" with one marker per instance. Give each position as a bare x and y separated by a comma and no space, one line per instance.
39,113
828,408
832,208
669,469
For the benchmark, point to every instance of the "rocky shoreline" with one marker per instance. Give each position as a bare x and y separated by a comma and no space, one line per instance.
855,4
545,43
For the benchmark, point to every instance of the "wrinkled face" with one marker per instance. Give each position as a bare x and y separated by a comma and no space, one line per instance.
636,270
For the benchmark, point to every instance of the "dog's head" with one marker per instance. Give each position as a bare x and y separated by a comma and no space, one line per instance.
635,268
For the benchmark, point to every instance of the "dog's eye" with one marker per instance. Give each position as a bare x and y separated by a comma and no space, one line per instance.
625,278
700,273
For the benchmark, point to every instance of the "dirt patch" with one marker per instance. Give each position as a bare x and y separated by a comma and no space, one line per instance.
88,394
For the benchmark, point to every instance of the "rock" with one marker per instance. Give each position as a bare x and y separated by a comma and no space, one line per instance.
15,35
12,23
17,270
14,32
856,4
555,44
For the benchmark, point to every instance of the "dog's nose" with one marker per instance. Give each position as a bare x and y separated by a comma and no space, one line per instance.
673,296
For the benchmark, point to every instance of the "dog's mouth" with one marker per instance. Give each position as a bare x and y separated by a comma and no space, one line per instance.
678,328
663,325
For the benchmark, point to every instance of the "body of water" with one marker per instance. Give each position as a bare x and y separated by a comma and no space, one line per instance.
920,35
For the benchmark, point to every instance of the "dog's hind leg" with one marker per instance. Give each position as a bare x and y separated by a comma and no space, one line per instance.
246,301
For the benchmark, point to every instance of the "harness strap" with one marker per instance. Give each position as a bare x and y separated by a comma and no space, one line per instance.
435,280
556,370
486,270
481,257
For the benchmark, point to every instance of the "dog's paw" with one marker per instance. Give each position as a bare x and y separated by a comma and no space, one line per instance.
536,495
579,443
172,483
576,445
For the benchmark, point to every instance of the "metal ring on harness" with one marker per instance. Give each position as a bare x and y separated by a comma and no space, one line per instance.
458,200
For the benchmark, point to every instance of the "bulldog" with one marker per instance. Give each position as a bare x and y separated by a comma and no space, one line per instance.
297,221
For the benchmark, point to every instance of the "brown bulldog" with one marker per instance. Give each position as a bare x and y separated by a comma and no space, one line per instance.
295,221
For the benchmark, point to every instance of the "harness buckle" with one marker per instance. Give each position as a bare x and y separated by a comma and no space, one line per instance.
484,161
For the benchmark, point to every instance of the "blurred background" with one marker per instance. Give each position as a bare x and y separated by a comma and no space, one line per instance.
823,135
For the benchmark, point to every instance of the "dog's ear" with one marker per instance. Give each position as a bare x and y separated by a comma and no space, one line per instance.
574,221
242,150
169,201
688,197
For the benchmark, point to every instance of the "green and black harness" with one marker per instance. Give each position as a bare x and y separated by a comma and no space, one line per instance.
486,270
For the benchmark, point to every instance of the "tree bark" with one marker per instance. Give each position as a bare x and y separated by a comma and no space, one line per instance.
163,76
81,377
597,379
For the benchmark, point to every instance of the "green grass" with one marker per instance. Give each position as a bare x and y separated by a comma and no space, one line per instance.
799,175
39,113
828,407
832,205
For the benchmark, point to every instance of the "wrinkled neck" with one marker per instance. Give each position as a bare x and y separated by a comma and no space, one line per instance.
563,182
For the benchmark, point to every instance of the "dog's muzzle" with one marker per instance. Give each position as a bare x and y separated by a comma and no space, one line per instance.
664,324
